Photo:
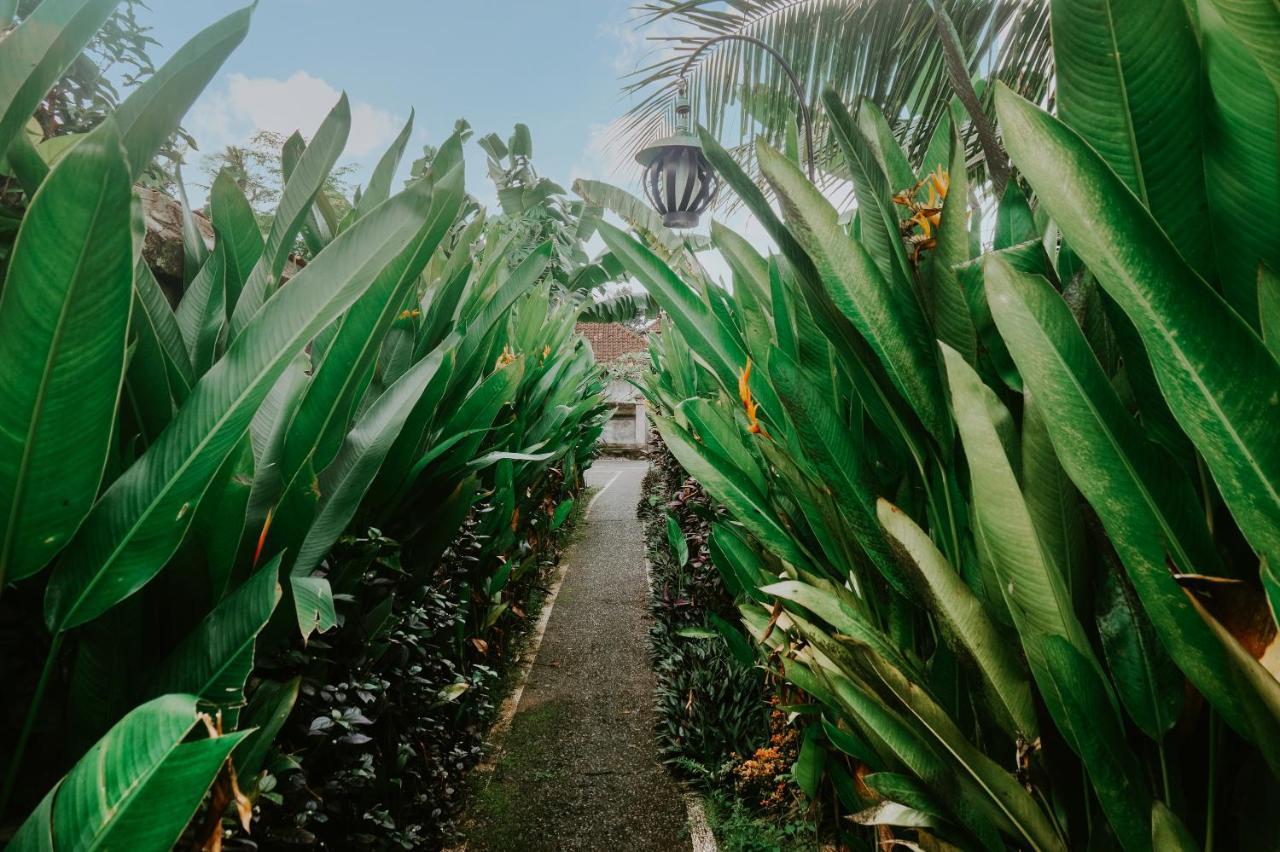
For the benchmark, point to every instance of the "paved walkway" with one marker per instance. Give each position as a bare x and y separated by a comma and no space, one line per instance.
578,770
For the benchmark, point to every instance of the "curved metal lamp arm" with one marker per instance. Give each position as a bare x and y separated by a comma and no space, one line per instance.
791,75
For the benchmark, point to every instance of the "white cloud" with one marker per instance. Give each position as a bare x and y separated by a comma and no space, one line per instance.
245,105
604,158
640,46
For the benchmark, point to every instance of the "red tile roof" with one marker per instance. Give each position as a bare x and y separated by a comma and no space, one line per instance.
610,341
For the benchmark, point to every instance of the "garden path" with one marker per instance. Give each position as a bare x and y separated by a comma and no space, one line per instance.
578,770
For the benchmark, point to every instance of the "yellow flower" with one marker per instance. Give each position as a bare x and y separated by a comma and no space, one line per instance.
411,314
748,403
506,357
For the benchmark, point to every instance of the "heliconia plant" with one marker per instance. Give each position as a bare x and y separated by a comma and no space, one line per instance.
178,460
1008,517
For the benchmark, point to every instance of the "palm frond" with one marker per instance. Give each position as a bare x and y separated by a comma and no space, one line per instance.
884,50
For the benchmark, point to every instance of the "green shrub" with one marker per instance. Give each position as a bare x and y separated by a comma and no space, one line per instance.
998,514
174,480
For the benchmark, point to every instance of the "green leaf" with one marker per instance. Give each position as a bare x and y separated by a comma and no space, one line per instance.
1129,82
829,443
676,541
151,114
313,604
1168,834
977,791
1148,683
716,475
1036,593
304,183
321,420
698,633
1221,383
888,318
561,514
1144,500
1257,24
203,312
142,518
1075,696
220,519
681,302
1269,308
343,483
137,787
37,53
214,660
1054,503
965,621
379,188
64,315
944,289
1241,118
807,770
155,310
236,227
269,707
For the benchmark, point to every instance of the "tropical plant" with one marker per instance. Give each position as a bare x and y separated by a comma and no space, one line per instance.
173,480
1008,519
907,56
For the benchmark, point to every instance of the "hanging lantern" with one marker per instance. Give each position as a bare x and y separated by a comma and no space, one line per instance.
678,180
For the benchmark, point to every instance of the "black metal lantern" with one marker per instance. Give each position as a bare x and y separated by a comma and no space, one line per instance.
678,180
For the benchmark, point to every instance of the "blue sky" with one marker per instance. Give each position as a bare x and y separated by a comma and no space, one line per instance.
556,65
553,64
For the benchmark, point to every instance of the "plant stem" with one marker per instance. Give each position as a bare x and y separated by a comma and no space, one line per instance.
29,723
1210,809
1164,773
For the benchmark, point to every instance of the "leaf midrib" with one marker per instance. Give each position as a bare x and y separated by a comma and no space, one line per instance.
28,447
125,540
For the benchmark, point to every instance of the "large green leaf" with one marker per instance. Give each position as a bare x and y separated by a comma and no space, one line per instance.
1257,24
1148,683
681,302
317,427
717,476
1144,500
142,518
343,483
203,311
379,188
1221,383
135,789
1054,504
64,315
37,53
154,309
214,660
954,768
887,317
236,227
1241,118
944,289
842,462
1037,594
965,621
1076,698
1129,80
304,183
151,114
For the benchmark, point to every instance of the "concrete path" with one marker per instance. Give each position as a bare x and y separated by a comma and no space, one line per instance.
577,770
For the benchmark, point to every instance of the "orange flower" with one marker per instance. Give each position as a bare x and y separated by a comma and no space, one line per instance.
262,538
939,183
748,403
505,358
